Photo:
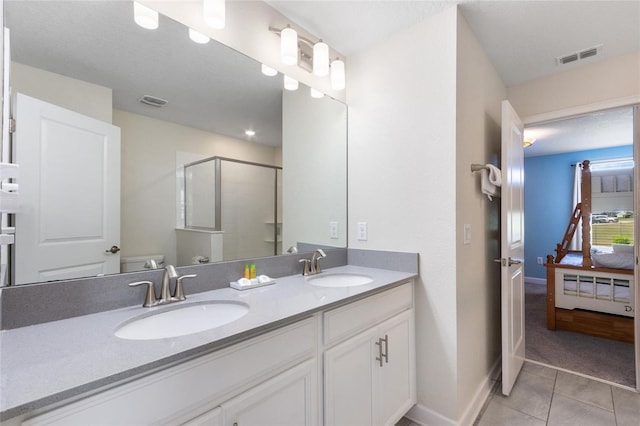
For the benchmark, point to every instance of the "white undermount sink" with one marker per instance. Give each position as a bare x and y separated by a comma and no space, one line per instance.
174,321
339,280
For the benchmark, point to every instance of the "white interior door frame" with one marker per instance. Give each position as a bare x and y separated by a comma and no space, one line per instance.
599,106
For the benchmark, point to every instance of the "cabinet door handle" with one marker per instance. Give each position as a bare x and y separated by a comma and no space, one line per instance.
386,349
379,357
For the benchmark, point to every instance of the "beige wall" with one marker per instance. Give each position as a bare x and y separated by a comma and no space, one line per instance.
149,146
75,95
616,78
402,181
478,104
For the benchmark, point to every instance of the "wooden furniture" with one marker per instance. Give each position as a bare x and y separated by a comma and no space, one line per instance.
601,302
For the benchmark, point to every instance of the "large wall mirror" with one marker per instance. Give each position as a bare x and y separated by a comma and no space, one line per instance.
172,168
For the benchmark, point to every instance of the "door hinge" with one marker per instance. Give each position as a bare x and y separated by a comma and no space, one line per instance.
12,125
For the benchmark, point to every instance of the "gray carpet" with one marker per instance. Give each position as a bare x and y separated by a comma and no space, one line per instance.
595,356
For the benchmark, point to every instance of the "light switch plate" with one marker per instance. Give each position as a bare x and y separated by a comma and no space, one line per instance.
363,231
466,231
333,230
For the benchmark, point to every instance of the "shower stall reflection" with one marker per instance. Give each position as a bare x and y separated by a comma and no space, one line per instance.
232,210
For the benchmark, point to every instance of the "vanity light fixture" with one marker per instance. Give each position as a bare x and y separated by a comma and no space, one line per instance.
145,16
289,46
214,13
313,57
316,93
321,59
198,37
266,70
290,83
338,80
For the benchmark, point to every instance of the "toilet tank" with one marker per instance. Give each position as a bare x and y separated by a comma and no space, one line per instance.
137,263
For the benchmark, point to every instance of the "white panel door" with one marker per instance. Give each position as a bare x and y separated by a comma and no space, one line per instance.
70,190
512,247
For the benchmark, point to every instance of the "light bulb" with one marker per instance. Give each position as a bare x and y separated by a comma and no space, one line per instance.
316,93
321,59
290,83
144,16
214,13
337,75
198,37
266,70
289,46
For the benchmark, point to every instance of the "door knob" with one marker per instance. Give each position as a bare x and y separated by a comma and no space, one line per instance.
504,261
113,249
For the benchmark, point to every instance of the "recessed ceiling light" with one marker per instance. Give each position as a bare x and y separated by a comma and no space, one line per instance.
249,133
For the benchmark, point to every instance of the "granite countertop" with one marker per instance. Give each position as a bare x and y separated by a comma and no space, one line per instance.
47,363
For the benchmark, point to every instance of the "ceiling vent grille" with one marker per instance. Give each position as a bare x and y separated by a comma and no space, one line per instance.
153,101
588,53
569,58
578,56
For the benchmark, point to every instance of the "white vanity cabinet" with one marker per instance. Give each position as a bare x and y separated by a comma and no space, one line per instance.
286,399
356,360
243,381
369,377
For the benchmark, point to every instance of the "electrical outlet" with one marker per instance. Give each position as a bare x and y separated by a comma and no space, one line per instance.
333,230
363,232
540,262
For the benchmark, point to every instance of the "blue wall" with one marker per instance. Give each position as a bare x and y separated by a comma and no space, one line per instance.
548,206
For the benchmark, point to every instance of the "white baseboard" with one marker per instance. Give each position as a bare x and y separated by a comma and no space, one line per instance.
426,417
481,395
533,280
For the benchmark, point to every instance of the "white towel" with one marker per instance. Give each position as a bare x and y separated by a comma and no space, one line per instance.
491,181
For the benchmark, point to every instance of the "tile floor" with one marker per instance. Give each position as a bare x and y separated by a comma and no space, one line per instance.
545,396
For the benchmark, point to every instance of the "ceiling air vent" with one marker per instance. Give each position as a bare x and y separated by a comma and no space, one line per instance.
153,101
568,58
578,56
588,53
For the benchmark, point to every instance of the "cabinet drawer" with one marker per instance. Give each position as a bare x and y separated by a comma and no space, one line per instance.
349,319
187,388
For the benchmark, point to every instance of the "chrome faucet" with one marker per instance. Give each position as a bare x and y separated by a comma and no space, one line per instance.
170,274
312,266
315,260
